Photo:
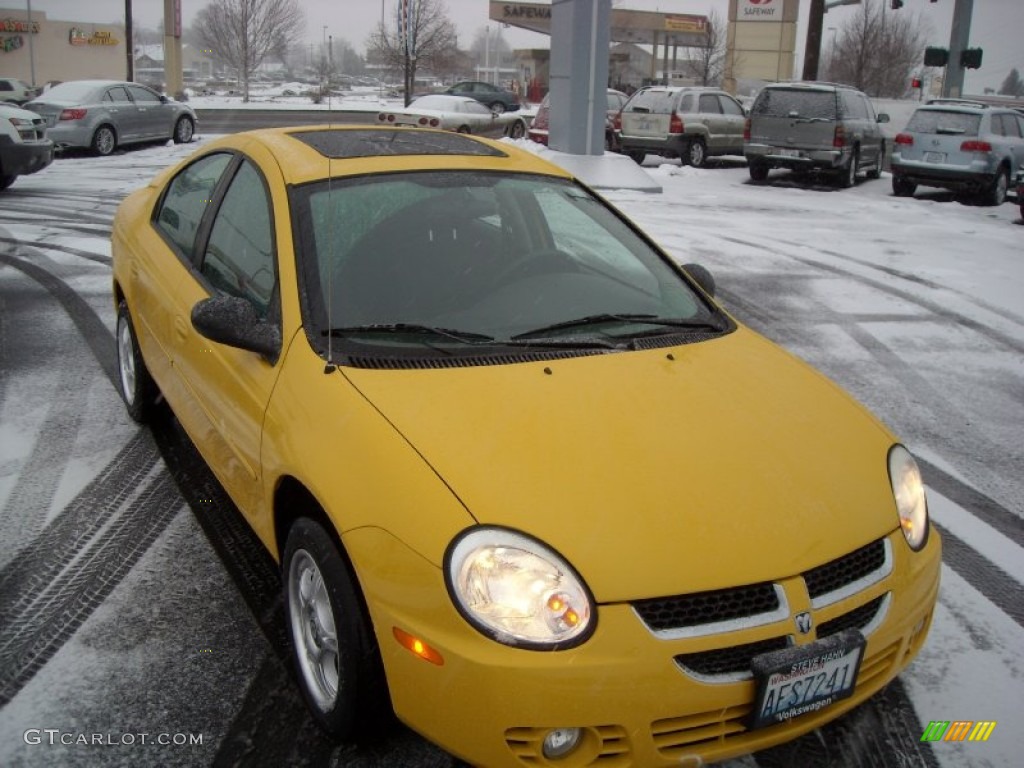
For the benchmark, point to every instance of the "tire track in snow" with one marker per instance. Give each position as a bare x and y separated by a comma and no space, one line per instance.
41,245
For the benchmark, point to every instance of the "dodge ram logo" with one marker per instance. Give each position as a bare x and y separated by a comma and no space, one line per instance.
804,622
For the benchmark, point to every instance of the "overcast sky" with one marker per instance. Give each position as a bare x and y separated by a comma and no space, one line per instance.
997,27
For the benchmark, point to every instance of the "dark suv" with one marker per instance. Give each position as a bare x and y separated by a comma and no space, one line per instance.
814,127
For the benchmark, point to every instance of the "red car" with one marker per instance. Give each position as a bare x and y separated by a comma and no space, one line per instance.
539,127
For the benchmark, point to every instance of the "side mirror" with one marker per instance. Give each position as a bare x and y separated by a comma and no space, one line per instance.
702,277
883,117
233,321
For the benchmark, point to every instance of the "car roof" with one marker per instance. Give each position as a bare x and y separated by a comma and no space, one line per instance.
311,153
813,85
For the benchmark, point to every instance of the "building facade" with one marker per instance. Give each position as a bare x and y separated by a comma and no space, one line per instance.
52,49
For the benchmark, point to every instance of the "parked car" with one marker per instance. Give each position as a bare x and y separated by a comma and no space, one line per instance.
16,91
689,123
814,127
456,113
541,121
496,99
104,114
1020,190
513,459
24,147
960,145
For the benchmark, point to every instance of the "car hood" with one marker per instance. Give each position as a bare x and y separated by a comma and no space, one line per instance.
655,472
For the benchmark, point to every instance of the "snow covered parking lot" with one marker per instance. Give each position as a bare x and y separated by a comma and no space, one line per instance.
116,617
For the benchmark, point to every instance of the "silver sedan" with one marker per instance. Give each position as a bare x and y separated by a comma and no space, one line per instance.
456,113
104,114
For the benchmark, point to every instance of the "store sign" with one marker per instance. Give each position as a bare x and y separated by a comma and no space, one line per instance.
759,10
678,23
12,43
17,25
78,36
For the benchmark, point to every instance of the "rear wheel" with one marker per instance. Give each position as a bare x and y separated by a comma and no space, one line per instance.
637,156
335,652
104,141
498,108
903,188
758,170
696,153
848,175
138,390
6,181
463,129
996,193
517,130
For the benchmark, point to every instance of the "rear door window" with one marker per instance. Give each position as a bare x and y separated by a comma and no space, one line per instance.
709,103
729,106
785,102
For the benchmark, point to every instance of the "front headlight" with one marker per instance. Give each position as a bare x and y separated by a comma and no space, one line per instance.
517,591
908,490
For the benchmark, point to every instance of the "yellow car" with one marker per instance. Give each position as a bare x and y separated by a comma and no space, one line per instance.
528,484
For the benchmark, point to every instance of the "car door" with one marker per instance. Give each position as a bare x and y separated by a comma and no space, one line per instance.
709,110
229,388
482,121
123,113
162,259
733,120
154,116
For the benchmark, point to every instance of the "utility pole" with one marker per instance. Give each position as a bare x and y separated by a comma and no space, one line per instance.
812,50
959,39
129,47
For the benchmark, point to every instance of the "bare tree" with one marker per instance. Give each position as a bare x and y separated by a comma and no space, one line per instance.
431,43
706,64
242,32
878,51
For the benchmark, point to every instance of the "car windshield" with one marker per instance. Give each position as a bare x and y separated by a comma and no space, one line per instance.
944,121
480,257
792,102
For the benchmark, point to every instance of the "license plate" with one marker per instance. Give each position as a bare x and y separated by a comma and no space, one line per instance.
802,679
934,157
788,152
644,124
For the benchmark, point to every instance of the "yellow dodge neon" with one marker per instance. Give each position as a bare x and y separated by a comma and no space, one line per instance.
528,484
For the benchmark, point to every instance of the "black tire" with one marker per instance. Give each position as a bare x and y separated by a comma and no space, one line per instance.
637,156
6,181
996,192
138,390
696,153
903,188
848,173
876,169
104,141
517,130
758,170
184,129
498,108
463,129
316,578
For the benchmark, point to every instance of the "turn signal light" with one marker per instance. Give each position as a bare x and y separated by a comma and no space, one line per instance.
675,124
417,647
904,139
975,146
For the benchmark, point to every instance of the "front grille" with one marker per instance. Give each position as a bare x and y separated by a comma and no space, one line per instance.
717,605
845,570
858,618
728,661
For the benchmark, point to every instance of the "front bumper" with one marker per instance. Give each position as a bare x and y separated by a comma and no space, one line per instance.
492,705
17,159
797,159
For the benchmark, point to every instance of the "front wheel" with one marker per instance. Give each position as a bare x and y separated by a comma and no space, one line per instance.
996,193
335,652
104,141
696,153
498,108
183,130
517,130
138,390
876,169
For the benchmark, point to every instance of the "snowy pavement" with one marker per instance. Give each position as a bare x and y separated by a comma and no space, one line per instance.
117,615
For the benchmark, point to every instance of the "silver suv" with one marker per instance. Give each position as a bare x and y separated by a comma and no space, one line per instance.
814,127
688,123
960,145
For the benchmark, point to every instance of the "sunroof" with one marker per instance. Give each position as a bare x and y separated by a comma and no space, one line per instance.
342,143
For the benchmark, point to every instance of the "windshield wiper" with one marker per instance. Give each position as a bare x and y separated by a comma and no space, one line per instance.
464,337
608,317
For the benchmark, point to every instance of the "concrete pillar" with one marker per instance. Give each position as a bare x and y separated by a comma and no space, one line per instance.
580,35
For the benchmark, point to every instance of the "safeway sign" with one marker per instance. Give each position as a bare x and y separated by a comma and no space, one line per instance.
759,10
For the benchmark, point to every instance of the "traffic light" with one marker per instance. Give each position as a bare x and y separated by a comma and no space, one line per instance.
970,58
897,4
935,57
